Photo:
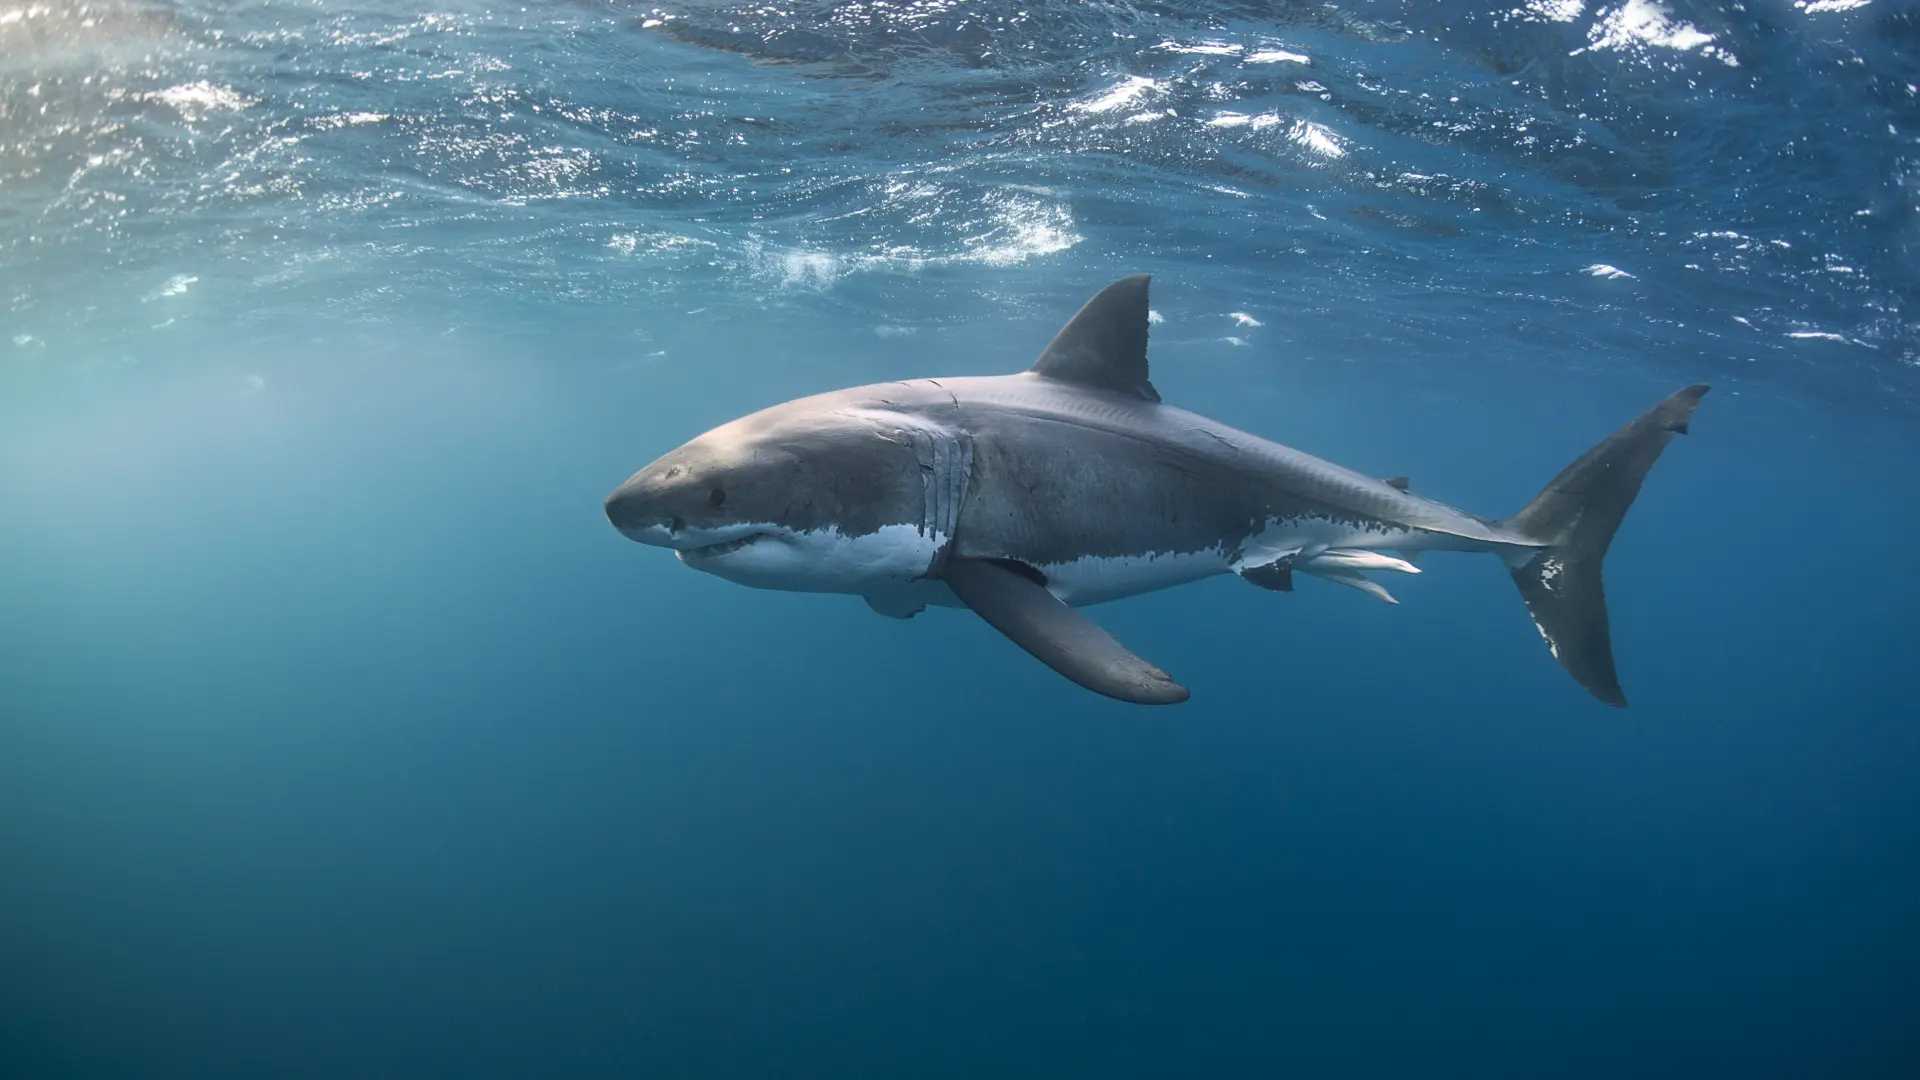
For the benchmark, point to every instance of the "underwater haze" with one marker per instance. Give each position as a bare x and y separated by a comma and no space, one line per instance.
342,736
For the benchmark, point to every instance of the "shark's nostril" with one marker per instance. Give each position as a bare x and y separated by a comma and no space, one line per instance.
676,525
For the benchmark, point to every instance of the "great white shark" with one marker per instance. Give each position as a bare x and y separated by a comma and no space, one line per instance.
1024,497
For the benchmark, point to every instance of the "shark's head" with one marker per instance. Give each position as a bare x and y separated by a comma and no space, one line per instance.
809,496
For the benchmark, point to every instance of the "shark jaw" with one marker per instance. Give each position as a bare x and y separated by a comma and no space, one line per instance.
707,552
768,556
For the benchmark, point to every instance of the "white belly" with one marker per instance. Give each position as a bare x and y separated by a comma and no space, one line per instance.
1095,580
826,561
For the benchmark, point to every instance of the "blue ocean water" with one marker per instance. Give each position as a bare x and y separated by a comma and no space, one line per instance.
341,736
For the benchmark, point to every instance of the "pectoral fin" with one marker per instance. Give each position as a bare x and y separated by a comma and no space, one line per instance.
1056,635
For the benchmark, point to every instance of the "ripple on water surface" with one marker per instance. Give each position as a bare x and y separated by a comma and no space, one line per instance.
1735,185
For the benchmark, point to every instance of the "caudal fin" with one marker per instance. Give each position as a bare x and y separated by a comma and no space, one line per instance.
1575,517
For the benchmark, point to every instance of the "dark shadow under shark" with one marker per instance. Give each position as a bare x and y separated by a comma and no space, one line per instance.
1025,496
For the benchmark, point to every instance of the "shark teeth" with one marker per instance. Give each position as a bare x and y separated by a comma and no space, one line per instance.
726,547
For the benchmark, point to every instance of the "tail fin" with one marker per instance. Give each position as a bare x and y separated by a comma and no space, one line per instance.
1575,516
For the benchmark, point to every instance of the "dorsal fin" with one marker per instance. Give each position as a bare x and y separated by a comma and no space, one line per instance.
1399,482
1105,346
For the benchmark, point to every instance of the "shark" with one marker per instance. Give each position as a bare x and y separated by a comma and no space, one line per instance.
1027,497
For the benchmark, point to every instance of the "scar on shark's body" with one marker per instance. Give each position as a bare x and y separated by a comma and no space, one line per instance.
1024,497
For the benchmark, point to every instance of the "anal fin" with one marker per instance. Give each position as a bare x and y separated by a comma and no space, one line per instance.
1056,635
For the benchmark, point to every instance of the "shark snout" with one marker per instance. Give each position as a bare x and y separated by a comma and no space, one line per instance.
638,516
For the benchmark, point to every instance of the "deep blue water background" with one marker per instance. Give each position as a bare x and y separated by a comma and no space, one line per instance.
340,736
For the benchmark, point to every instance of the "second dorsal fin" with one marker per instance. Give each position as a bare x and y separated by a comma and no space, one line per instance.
1400,482
1104,347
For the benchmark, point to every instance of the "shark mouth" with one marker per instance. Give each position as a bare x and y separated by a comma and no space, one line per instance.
725,547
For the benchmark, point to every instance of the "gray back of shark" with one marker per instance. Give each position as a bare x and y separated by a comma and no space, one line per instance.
1024,497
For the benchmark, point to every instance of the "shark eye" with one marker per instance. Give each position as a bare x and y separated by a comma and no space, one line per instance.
717,497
